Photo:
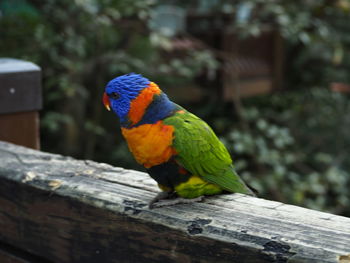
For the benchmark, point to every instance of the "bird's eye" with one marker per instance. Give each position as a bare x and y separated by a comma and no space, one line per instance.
114,95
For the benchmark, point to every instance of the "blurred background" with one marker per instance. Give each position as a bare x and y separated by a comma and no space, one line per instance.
271,77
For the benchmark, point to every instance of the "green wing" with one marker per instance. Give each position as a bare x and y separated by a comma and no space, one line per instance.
203,154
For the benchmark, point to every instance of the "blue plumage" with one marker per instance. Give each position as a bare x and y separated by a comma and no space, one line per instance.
128,87
160,108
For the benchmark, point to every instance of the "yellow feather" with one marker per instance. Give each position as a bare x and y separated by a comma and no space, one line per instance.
196,187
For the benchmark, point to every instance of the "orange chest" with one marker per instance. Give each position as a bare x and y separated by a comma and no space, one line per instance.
151,144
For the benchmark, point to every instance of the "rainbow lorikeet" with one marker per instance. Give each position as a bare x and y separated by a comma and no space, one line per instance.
179,150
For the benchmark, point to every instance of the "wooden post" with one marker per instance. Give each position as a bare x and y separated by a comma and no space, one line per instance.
20,100
58,209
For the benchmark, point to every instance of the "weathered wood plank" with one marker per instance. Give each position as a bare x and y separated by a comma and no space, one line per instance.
6,257
10,254
66,210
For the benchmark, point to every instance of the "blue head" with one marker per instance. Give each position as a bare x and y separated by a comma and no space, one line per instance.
121,91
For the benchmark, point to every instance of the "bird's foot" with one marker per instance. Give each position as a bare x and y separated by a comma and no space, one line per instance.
161,196
179,200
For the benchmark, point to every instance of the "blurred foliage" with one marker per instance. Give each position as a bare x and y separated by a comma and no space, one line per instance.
297,154
315,32
80,45
291,146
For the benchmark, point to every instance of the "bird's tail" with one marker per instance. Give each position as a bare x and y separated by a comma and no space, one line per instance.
230,181
246,188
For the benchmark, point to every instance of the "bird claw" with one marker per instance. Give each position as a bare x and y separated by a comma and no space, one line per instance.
161,196
179,200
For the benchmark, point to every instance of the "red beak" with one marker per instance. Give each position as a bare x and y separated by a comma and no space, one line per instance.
105,101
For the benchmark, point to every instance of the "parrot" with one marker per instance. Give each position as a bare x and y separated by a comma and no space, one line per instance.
178,149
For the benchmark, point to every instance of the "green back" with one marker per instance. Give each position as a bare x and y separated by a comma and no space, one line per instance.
202,153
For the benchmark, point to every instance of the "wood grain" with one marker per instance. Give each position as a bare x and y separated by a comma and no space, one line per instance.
21,128
66,210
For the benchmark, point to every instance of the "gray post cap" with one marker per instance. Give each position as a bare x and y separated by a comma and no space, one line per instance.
11,65
20,86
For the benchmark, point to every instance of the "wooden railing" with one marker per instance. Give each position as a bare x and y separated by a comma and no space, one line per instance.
58,209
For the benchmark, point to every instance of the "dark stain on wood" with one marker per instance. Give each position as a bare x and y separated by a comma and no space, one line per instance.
196,226
132,206
281,251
